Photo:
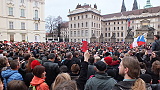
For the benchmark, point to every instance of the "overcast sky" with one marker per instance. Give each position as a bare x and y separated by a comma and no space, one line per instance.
61,7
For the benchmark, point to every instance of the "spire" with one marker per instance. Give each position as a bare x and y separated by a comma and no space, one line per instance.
135,5
123,8
148,5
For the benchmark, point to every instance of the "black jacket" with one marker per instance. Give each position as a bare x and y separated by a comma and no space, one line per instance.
123,85
52,70
68,63
81,81
156,45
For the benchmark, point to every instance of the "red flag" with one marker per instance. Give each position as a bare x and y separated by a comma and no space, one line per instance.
84,46
5,42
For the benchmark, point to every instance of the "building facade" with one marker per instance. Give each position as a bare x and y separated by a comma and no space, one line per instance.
84,21
22,20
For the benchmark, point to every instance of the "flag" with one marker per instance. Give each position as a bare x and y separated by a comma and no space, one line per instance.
84,46
140,40
129,22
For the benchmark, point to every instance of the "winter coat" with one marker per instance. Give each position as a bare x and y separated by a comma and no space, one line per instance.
9,75
123,85
39,83
101,81
52,70
156,45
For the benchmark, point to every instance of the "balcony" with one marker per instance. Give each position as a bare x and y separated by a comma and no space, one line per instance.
36,19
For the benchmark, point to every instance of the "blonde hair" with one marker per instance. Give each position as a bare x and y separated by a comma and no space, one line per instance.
139,85
60,79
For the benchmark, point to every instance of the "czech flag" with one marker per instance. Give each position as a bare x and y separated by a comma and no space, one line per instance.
140,40
84,46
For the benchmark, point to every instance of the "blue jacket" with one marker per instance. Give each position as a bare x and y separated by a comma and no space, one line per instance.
9,75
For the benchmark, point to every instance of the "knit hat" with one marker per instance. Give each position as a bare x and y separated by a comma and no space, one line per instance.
34,63
108,60
146,78
100,65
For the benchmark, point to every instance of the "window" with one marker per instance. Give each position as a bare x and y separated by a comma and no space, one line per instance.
114,22
105,34
71,18
36,13
86,16
122,22
12,37
74,18
109,35
10,11
86,24
82,33
78,33
118,23
22,25
10,25
117,34
22,1
82,24
23,37
78,25
78,17
36,26
82,16
74,25
92,24
22,13
117,28
121,34
71,25
109,28
121,28
71,33
86,32
114,28
74,33
106,29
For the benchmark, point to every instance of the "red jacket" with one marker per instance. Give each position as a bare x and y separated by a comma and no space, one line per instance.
39,83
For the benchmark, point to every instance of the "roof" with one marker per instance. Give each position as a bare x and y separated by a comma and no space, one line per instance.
134,12
65,25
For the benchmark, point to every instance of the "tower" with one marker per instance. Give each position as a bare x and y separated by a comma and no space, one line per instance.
135,5
123,8
148,5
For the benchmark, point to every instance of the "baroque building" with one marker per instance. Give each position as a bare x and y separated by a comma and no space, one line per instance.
22,20
86,22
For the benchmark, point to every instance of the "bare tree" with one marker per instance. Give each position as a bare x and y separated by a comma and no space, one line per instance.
52,23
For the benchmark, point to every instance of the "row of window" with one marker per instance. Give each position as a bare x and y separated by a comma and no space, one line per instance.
86,25
114,28
116,35
23,27
22,12
77,34
109,23
84,17
78,40
117,40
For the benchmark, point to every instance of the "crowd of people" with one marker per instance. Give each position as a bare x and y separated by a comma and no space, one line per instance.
63,66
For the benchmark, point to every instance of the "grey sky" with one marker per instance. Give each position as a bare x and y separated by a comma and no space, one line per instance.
61,7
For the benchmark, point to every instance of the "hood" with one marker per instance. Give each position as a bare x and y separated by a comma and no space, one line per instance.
101,75
7,73
36,80
125,84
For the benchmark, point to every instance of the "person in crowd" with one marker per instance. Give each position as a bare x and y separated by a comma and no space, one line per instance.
101,81
76,58
28,65
1,84
148,80
39,78
91,67
130,69
29,76
52,69
60,79
75,69
1,53
67,85
16,85
11,74
156,43
63,69
69,62
155,72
